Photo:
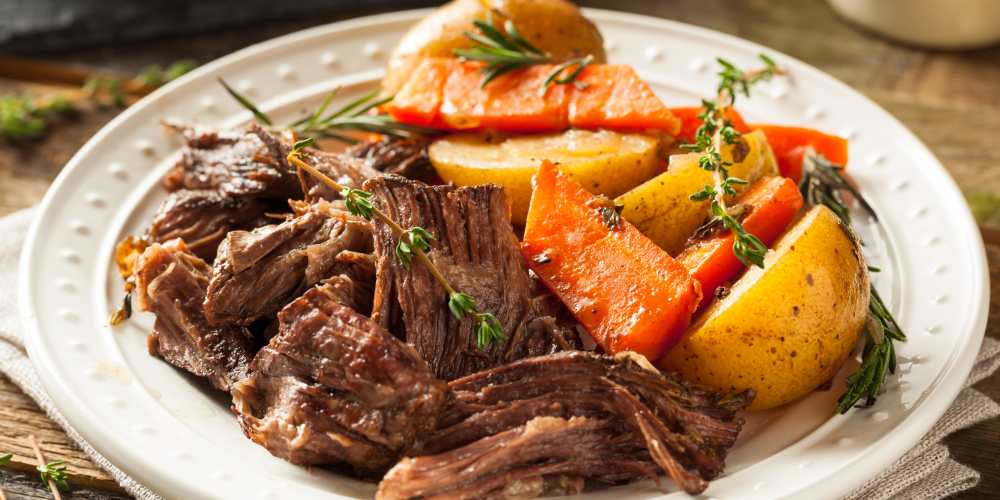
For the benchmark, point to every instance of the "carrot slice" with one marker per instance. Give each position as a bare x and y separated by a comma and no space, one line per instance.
418,102
626,291
772,203
448,94
790,144
690,121
612,96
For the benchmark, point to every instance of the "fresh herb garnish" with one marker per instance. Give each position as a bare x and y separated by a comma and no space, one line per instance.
5,459
413,243
55,472
823,183
611,216
715,131
505,51
355,116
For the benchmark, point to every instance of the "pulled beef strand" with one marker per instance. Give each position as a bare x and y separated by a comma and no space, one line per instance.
258,272
394,155
543,456
171,283
202,218
245,162
649,417
334,387
476,250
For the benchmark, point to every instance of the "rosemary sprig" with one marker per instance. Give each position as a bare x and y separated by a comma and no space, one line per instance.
823,183
505,51
352,116
413,243
716,130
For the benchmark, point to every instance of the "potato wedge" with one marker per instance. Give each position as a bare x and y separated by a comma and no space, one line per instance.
661,207
787,328
554,26
605,162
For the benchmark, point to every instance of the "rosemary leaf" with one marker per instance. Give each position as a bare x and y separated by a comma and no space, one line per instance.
247,103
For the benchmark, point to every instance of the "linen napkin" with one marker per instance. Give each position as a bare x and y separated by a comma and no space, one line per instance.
925,472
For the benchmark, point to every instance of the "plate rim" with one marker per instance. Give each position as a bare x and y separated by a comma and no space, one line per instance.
844,480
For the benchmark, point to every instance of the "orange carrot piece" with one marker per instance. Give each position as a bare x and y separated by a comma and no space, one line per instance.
790,144
690,121
419,102
607,97
772,203
613,96
624,289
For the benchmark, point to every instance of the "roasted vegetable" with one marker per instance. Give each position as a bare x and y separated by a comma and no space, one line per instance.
786,329
765,209
627,292
662,207
790,144
554,26
449,94
604,162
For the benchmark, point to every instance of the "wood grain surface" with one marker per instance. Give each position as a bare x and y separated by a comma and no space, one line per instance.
950,100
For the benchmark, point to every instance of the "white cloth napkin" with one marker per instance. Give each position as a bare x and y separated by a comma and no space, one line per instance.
925,472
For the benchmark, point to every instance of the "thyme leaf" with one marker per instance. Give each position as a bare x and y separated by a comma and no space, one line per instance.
715,131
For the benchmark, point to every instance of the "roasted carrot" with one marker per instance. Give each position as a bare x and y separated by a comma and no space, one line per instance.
771,204
626,291
790,144
448,94
690,121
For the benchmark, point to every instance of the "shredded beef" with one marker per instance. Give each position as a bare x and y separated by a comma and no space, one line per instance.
393,155
171,283
476,250
334,387
646,421
247,162
202,218
258,272
345,170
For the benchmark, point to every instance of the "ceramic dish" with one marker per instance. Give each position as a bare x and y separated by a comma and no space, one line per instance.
166,431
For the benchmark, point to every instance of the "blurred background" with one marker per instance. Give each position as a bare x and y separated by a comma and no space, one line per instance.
68,67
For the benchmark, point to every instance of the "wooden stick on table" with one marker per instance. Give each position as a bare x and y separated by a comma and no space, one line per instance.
41,463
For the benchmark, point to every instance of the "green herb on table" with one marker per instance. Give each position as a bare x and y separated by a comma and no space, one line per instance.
413,243
505,51
5,459
354,116
55,472
25,117
823,183
717,131
985,207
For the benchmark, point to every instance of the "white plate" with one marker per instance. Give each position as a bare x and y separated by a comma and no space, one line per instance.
177,438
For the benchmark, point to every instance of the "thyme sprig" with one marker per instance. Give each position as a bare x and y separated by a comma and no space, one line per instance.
413,243
717,131
823,183
505,51
55,472
354,116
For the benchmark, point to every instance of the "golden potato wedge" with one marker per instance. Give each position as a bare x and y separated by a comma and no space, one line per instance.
555,26
661,207
605,162
786,329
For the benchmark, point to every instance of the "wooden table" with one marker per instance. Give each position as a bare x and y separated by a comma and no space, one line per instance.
950,100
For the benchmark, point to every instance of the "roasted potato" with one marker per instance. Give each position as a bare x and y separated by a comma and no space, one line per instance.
555,26
605,162
661,207
786,329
